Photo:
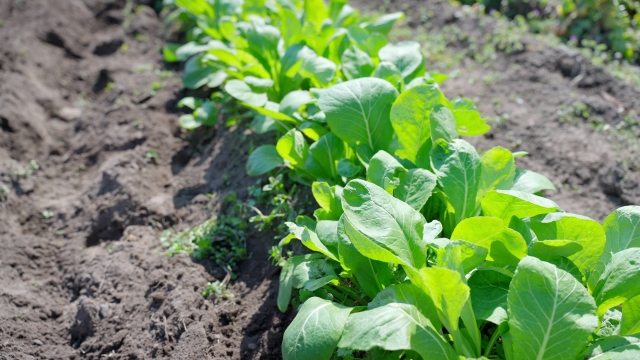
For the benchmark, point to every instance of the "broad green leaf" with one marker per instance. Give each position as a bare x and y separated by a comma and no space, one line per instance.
310,239
531,182
407,293
549,249
506,246
551,315
504,204
611,322
328,150
470,123
498,171
383,170
356,63
410,119
286,278
315,11
327,231
614,348
489,289
447,290
313,274
242,91
387,71
406,56
210,76
461,256
373,276
258,83
630,317
586,232
383,227
523,228
622,229
328,197
392,327
313,130
443,125
319,69
315,331
292,102
270,109
293,148
191,48
357,111
416,187
348,168
384,23
457,167
619,281
263,159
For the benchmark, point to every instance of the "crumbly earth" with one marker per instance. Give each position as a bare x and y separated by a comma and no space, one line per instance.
82,273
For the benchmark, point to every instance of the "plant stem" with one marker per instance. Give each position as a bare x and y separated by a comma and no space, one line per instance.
494,338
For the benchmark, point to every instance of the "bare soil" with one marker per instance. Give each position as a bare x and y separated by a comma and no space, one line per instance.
82,273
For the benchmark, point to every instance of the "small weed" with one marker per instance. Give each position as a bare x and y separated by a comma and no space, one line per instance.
144,68
4,192
124,48
218,288
151,154
109,86
138,124
47,214
155,86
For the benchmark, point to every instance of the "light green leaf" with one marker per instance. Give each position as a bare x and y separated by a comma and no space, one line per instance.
457,167
443,125
356,63
614,348
328,150
313,274
489,289
169,52
506,246
551,315
498,171
373,276
622,229
406,56
258,84
292,102
286,278
313,130
461,256
381,226
620,280
293,148
384,23
407,293
189,122
507,203
348,169
328,197
392,327
315,11
327,231
416,187
410,119
470,123
447,290
549,249
531,182
630,317
210,76
586,232
315,331
383,170
262,160
357,111
241,91
387,71
310,239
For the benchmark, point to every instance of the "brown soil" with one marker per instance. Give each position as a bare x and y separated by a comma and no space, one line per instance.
90,279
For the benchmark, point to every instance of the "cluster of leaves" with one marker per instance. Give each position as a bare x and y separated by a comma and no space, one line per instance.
591,23
263,50
516,279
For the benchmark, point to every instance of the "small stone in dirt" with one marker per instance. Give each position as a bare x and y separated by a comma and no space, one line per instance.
37,342
104,311
70,113
252,346
200,199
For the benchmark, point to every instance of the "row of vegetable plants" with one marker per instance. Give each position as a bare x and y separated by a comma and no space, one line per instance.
420,248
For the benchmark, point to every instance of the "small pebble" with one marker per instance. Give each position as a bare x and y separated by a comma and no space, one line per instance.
37,342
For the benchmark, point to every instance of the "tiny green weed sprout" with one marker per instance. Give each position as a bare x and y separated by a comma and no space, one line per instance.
47,214
151,154
218,288
4,192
